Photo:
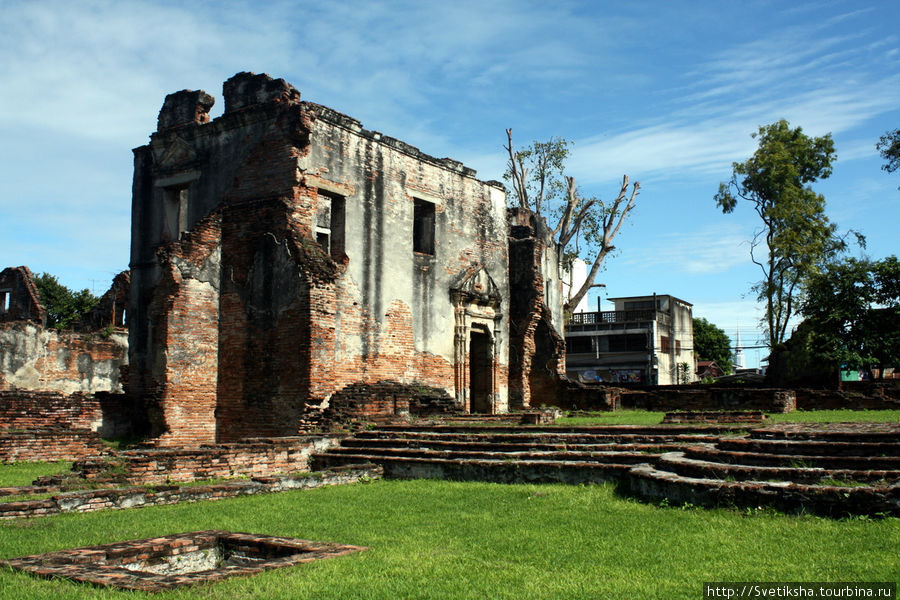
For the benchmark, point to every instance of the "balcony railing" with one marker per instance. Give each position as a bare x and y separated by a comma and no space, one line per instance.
619,316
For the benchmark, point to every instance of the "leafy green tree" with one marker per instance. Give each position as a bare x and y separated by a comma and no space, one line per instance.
853,310
795,238
584,226
889,147
64,306
712,343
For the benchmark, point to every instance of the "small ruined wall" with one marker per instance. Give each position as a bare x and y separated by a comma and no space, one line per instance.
857,395
263,456
49,445
386,401
92,500
37,359
110,415
666,398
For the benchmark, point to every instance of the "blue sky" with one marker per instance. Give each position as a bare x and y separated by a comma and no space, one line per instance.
667,92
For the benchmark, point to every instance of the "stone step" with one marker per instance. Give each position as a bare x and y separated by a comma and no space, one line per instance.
441,444
834,501
764,459
678,462
532,438
835,432
659,430
625,458
498,471
811,448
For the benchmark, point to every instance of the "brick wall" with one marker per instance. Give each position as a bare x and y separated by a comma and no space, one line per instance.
254,457
861,395
386,401
109,415
667,398
537,351
49,445
19,298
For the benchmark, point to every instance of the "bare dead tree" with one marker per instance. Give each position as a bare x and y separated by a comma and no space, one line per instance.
536,177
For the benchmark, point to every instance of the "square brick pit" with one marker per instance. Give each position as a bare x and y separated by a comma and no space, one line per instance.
157,564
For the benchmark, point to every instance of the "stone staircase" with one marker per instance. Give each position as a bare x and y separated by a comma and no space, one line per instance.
837,470
510,454
832,470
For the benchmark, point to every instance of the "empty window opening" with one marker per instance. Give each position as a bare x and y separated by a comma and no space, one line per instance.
423,226
4,300
330,224
175,218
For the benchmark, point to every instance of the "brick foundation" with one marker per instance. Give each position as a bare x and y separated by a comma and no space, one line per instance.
49,445
251,458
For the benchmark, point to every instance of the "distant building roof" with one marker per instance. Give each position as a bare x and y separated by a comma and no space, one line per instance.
650,297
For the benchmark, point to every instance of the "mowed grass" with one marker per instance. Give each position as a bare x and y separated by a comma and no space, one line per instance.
436,539
23,473
646,417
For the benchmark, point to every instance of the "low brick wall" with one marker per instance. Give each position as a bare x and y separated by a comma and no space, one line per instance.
255,457
386,401
698,398
49,445
111,415
92,500
715,416
861,395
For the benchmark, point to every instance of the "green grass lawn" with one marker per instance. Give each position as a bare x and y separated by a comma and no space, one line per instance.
619,417
435,539
646,417
837,416
23,473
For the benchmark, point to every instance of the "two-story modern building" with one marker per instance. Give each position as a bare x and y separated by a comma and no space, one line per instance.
645,339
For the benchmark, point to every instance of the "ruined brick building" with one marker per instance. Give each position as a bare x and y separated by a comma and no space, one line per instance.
283,257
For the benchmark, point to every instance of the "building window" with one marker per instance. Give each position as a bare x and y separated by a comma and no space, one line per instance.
423,226
632,342
579,345
664,345
677,346
330,223
5,300
175,217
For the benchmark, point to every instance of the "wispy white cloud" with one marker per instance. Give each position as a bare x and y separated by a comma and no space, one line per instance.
707,251
820,82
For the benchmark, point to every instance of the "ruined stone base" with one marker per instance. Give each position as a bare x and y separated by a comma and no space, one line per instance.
157,564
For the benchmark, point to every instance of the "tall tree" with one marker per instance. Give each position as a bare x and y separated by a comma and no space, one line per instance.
889,147
795,238
712,343
584,226
64,306
853,309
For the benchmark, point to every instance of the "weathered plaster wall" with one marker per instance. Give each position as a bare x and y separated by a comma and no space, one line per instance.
282,321
34,358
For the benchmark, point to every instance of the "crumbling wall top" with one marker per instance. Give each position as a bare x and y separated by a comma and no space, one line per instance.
246,89
183,108
19,297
